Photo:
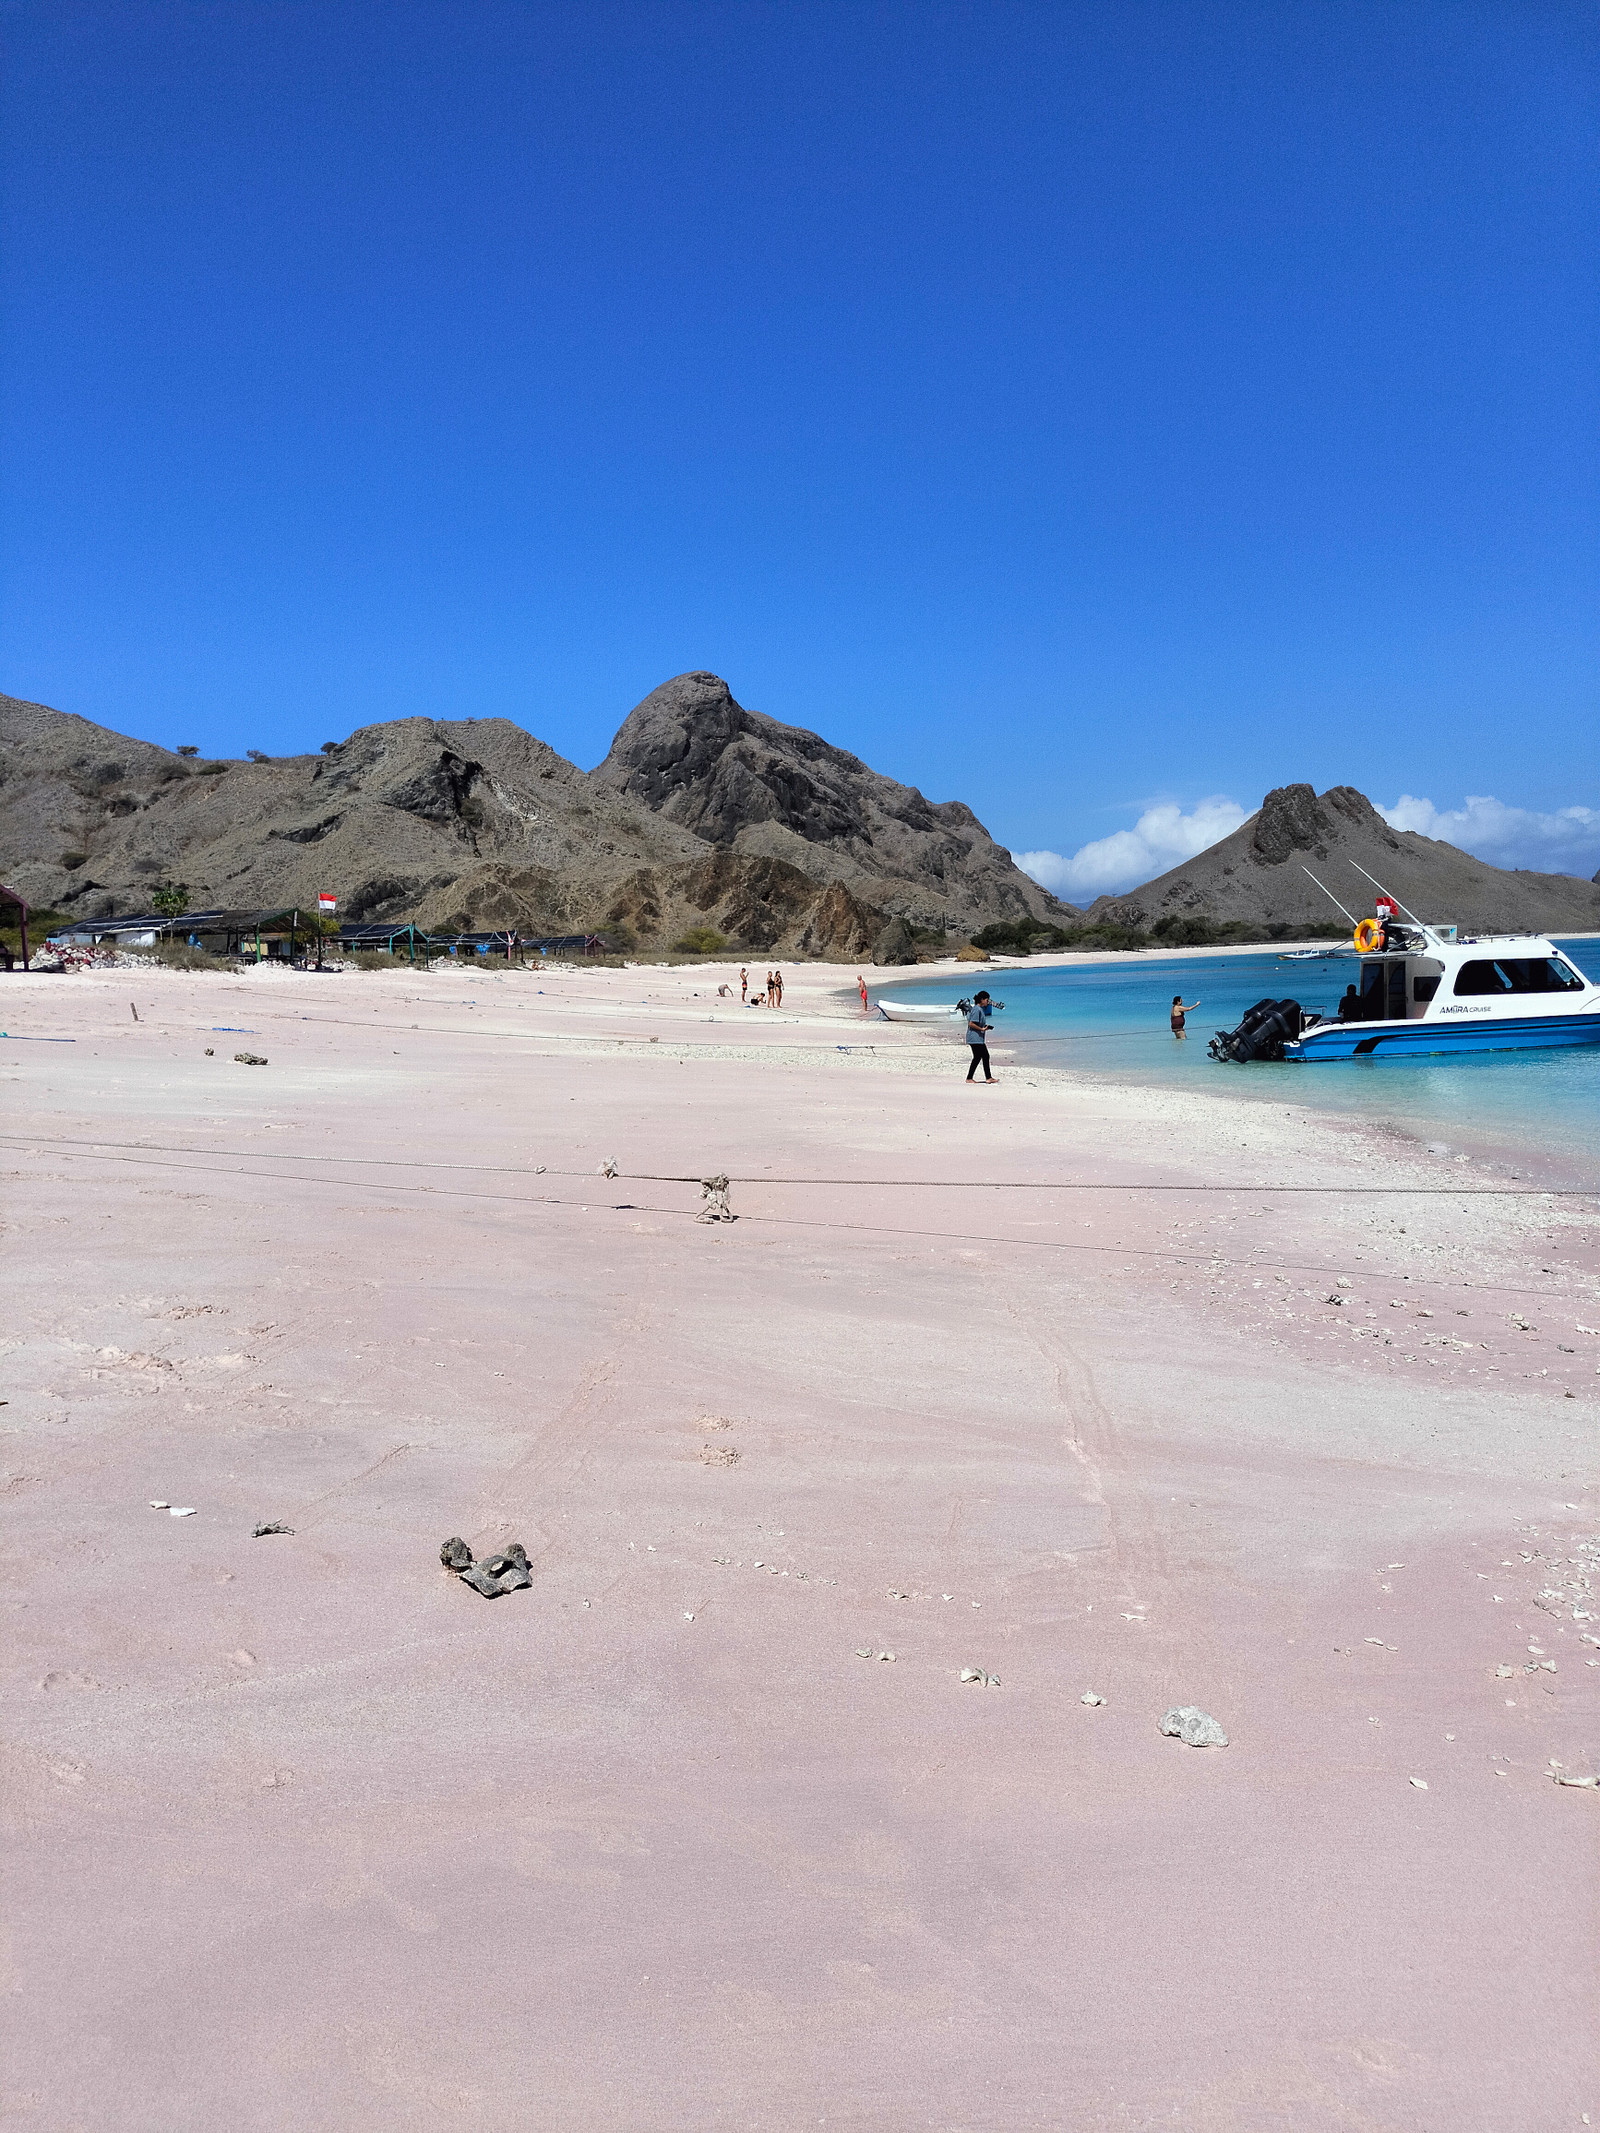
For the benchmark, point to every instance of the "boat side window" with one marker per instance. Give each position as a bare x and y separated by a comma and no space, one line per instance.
1423,989
1480,978
1518,974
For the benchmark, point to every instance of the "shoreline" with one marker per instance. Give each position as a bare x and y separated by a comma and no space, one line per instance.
1075,958
1495,1143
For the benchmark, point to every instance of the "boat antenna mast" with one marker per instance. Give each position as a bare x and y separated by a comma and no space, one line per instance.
1328,893
1420,923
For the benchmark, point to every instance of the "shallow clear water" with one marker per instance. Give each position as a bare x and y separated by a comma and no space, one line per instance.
1112,1018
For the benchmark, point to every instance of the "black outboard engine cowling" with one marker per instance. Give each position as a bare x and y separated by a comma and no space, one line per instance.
1265,1030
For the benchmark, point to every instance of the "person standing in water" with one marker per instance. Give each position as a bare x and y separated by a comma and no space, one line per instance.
980,1020
1179,1011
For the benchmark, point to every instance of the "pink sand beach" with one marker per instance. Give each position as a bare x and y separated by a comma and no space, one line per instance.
704,1829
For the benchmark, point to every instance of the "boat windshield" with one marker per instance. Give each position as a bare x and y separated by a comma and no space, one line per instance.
1517,974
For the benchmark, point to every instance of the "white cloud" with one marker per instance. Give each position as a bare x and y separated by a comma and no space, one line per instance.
1163,837
1566,842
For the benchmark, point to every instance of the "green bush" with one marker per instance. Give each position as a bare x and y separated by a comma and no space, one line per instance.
1195,931
1007,936
700,940
1106,936
1022,936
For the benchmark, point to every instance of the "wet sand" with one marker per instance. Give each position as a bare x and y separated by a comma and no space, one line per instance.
304,1833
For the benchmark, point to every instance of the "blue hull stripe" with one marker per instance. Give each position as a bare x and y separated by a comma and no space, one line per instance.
1390,1040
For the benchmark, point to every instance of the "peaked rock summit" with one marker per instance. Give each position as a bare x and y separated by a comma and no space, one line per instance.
746,783
1259,874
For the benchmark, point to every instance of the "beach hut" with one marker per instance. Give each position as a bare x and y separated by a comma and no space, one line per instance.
387,937
505,944
565,943
136,929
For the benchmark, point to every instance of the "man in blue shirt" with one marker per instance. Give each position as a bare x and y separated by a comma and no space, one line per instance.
980,1020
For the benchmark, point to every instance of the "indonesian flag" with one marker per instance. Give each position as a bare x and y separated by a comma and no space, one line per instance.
325,902
1387,907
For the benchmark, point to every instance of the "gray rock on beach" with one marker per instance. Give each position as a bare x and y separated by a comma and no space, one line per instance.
498,1574
1194,1727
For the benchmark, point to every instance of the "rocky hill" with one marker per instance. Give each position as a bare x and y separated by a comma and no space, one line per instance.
751,786
475,823
1258,874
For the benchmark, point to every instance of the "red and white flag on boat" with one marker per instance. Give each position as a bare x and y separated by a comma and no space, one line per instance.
1386,907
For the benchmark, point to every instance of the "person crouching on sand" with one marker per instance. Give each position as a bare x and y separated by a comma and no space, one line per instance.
1179,1011
980,1021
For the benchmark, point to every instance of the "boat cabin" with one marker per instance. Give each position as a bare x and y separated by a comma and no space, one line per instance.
1403,985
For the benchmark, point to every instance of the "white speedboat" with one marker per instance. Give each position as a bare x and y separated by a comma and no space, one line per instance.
1422,993
1418,988
1421,988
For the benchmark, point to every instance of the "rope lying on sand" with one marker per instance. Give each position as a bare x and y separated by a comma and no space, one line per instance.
143,1157
673,1177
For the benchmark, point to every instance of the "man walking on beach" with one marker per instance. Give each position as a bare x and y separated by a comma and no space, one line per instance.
979,1023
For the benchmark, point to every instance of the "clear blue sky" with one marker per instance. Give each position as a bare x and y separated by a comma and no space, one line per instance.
1065,407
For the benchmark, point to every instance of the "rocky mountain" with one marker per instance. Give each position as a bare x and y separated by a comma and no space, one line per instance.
751,786
476,823
1258,874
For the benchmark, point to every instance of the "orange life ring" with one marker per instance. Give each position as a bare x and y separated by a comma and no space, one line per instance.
1368,935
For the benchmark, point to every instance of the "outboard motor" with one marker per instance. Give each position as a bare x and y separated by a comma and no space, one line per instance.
1265,1030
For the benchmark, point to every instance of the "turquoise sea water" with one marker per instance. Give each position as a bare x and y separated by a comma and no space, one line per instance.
1111,1018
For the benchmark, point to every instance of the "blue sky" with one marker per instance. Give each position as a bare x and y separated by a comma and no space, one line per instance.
1099,414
